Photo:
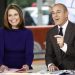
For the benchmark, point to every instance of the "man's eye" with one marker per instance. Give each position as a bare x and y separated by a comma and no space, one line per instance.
59,12
53,13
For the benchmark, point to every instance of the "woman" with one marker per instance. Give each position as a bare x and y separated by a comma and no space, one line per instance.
16,42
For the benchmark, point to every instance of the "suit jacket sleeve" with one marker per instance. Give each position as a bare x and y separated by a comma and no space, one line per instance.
70,40
71,47
50,55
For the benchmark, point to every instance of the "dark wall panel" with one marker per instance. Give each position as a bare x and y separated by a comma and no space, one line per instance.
2,10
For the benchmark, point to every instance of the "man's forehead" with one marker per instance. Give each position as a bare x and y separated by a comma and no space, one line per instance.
58,8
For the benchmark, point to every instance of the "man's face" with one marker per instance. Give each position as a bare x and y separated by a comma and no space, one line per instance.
59,15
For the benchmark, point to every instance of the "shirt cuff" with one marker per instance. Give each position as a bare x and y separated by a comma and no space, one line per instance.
50,64
64,48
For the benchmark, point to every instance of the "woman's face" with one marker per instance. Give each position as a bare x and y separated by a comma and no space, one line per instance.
13,18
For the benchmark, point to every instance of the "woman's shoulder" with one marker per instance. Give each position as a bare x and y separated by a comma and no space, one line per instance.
1,29
27,30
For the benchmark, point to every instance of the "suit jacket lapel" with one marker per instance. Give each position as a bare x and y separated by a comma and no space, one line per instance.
57,48
55,33
67,33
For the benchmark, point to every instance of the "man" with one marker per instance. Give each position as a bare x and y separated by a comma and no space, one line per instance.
60,42
70,4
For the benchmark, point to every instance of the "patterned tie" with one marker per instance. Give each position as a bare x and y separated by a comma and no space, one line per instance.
60,31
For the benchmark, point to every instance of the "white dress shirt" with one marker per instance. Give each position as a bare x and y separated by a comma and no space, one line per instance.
64,48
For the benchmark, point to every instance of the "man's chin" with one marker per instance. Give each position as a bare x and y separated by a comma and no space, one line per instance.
56,23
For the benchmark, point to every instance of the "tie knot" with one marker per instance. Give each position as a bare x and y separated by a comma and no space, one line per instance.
60,31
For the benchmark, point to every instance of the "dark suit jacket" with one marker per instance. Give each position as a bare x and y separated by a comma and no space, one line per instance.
57,56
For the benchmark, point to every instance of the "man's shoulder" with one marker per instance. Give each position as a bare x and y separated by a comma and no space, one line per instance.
53,29
71,23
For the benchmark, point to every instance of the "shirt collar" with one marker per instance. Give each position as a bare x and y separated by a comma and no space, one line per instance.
65,25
